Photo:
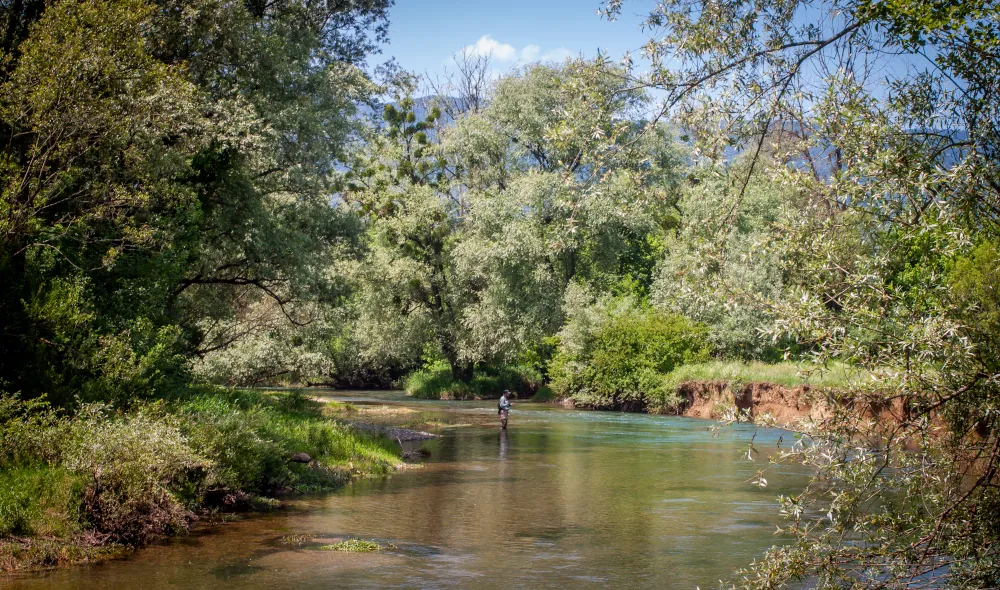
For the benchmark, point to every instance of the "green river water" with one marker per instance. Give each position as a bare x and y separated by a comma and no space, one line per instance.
565,499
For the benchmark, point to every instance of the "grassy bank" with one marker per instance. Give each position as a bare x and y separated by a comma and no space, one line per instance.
787,374
92,483
660,394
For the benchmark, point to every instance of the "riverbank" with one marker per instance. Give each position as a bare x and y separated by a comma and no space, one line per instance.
780,393
573,498
94,483
720,400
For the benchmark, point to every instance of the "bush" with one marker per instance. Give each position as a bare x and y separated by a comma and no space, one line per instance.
137,467
621,360
544,394
127,477
436,382
114,474
250,435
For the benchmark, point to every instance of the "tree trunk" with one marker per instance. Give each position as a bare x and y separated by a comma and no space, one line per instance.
460,370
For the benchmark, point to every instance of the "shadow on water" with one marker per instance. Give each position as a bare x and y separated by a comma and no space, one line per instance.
561,497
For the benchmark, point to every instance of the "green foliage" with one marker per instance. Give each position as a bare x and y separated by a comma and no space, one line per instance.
544,394
436,382
128,469
475,234
166,172
39,501
892,251
136,467
713,269
85,91
127,477
617,355
165,168
975,285
250,436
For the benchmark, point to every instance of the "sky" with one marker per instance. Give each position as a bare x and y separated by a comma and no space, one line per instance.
423,34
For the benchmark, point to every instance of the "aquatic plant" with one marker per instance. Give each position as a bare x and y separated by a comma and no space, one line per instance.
354,546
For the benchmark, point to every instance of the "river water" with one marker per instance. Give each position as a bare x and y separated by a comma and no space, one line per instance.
565,499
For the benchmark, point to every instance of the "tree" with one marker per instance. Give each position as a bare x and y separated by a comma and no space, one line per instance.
165,166
729,283
467,87
539,155
909,193
96,130
283,80
477,229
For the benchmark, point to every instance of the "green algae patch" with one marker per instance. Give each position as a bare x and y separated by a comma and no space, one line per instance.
297,540
353,546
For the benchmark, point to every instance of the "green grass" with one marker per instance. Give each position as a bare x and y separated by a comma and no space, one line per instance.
788,374
38,501
251,434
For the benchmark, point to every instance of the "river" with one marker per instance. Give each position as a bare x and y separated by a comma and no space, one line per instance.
565,499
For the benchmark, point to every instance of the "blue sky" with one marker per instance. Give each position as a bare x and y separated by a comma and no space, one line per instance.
424,33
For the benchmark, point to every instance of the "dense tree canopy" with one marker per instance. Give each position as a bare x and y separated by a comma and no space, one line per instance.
166,166
227,191
477,228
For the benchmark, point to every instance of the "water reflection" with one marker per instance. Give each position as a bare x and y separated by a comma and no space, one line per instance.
503,443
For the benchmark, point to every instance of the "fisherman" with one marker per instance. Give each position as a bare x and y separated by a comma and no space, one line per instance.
503,408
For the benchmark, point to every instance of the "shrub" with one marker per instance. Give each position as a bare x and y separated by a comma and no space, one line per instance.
136,468
544,394
126,477
435,382
621,359
116,474
250,435
29,431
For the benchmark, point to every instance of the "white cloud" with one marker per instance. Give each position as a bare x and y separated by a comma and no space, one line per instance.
557,55
530,52
489,46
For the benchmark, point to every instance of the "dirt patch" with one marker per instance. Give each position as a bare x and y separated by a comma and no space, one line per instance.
784,404
705,399
716,400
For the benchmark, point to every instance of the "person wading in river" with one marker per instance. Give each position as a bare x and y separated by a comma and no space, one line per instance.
503,408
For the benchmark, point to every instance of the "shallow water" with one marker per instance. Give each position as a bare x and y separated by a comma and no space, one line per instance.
563,499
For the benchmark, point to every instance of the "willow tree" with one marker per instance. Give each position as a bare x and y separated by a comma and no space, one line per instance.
478,227
549,206
886,116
